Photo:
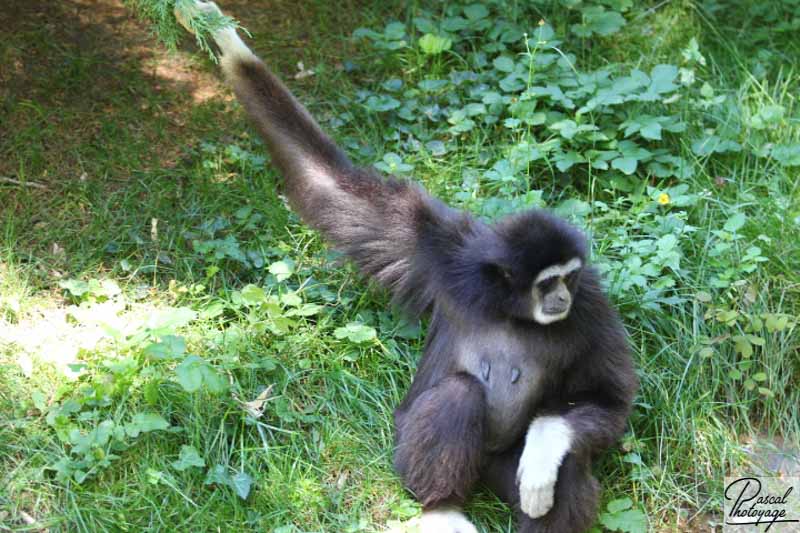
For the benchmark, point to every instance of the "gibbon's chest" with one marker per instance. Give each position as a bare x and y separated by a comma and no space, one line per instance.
511,368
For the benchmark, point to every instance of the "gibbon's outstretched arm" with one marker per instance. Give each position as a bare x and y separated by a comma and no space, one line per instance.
392,229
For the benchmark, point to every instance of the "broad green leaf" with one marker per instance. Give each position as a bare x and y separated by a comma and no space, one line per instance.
213,380
767,116
355,332
306,310
395,31
596,20
282,270
170,347
735,223
381,103
630,521
188,458
504,64
144,423
291,299
711,144
241,484
431,44
253,294
217,475
476,11
626,165
190,374
621,504
787,155
662,79
75,287
171,319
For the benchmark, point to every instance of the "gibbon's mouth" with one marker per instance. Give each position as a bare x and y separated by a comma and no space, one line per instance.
548,316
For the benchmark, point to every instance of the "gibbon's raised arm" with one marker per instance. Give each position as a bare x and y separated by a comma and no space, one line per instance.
392,229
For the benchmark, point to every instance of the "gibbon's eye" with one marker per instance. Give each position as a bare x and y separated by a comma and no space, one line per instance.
547,284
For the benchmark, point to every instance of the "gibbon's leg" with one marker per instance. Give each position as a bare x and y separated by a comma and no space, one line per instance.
439,449
575,498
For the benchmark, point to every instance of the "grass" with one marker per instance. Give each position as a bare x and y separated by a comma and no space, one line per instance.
155,186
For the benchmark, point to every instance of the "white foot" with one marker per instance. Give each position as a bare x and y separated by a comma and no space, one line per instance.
548,441
445,521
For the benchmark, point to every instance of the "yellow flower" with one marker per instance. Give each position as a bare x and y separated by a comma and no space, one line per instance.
663,198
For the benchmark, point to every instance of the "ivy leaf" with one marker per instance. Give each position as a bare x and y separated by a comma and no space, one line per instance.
241,484
381,102
171,319
504,64
189,374
170,347
662,78
630,521
291,299
735,223
253,294
355,332
476,11
767,116
711,144
282,270
188,458
194,372
626,165
596,20
567,128
621,504
565,160
75,287
217,475
213,380
145,423
787,155
395,31
305,310
392,163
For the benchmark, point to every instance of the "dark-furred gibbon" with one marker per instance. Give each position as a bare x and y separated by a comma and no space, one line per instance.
526,374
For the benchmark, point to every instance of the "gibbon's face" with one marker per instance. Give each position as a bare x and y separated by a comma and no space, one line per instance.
553,291
540,267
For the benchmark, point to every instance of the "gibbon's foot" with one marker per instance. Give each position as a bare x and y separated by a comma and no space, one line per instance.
445,520
198,6
548,441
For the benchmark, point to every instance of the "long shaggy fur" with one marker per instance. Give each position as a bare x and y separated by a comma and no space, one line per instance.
438,447
475,280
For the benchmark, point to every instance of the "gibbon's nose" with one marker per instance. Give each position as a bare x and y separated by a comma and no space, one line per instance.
562,298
